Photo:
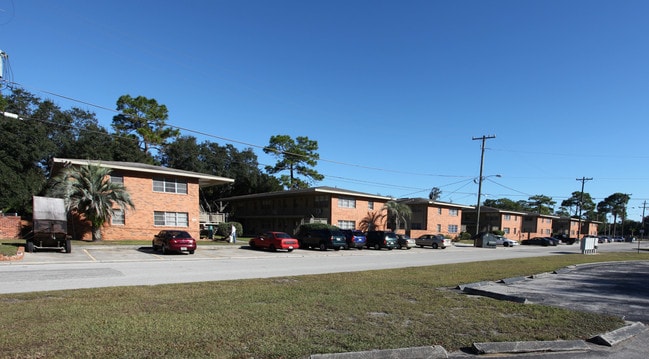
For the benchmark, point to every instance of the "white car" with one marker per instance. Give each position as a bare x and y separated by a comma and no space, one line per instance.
505,242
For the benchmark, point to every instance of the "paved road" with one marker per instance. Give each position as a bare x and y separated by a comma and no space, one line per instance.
107,266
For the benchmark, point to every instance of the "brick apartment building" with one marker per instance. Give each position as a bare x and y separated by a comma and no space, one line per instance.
434,217
286,210
164,198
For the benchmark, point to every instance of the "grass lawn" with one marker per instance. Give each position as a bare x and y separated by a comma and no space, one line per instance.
292,317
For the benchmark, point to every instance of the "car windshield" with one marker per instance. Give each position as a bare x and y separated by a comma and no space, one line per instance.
391,235
282,235
179,234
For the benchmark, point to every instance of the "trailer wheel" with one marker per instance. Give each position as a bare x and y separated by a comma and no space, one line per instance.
68,246
30,247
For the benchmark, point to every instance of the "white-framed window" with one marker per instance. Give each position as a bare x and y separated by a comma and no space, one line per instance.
439,228
169,185
117,219
114,178
171,219
453,212
346,224
439,210
506,230
452,228
370,205
507,217
347,202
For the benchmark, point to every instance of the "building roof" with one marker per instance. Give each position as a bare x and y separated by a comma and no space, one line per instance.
427,201
204,180
322,189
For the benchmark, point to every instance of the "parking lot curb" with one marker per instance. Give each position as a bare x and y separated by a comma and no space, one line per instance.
615,337
530,346
428,352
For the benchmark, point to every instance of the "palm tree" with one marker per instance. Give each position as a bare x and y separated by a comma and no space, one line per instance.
397,212
371,221
88,191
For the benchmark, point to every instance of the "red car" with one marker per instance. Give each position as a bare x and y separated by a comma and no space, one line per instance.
174,241
274,241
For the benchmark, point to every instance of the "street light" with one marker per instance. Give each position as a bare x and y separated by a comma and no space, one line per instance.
477,221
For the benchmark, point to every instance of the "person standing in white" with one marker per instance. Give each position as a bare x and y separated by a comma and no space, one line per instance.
233,234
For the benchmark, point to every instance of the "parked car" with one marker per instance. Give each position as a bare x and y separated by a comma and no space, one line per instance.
404,241
354,238
556,241
564,238
505,242
381,239
433,240
173,241
539,241
274,241
322,239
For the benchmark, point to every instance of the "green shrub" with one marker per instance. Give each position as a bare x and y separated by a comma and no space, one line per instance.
224,228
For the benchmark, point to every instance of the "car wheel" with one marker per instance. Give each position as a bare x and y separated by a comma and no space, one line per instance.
68,246
421,245
30,247
505,244
435,246
398,246
191,252
272,248
252,244
290,250
377,246
323,246
164,249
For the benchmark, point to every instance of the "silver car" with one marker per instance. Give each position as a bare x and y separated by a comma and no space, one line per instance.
433,240
505,242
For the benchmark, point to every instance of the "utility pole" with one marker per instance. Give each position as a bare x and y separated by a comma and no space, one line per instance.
644,206
477,221
581,202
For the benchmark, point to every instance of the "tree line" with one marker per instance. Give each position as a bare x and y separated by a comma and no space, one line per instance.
139,133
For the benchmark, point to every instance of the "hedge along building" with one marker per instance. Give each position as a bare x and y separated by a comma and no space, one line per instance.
164,198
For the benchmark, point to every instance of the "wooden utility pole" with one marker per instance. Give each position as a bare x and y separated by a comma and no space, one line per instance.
581,202
477,221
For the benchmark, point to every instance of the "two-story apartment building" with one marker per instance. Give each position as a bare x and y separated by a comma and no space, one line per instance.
434,217
570,227
164,198
537,225
495,219
286,210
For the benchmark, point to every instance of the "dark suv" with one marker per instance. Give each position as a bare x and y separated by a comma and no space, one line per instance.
322,239
381,239
355,238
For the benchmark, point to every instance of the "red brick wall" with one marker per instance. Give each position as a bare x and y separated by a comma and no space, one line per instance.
354,214
139,224
9,227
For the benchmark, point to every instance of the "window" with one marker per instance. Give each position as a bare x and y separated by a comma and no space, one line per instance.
415,225
370,205
117,179
346,224
439,210
453,212
117,218
452,228
507,217
321,201
169,185
506,230
346,202
439,228
171,219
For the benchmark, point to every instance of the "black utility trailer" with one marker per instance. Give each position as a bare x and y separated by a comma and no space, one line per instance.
50,226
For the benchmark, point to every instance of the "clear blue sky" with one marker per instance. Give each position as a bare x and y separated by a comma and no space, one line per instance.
393,91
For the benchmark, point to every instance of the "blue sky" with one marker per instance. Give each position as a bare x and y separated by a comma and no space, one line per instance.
393,91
